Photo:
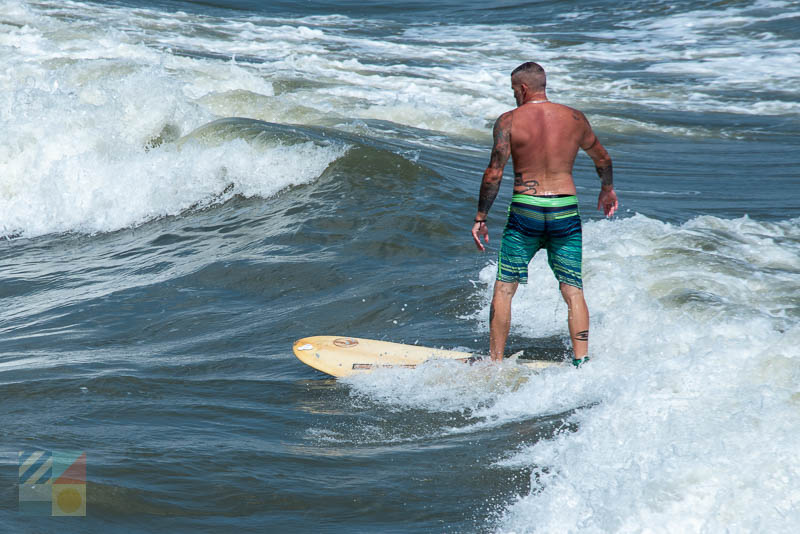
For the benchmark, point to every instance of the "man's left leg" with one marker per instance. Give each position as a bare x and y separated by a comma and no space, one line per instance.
577,319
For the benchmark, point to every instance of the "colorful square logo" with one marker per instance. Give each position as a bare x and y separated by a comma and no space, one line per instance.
52,483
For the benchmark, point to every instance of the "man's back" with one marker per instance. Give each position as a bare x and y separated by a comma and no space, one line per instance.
545,138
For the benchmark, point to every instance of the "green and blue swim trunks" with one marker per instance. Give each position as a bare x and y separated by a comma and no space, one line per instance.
536,222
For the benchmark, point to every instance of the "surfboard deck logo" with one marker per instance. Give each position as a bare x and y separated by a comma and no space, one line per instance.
345,342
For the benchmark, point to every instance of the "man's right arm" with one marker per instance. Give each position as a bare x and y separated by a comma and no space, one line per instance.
493,174
607,201
492,177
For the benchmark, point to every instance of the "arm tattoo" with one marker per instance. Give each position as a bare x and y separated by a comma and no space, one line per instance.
606,175
529,185
500,154
487,195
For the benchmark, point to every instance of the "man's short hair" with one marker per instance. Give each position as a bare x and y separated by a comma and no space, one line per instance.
531,74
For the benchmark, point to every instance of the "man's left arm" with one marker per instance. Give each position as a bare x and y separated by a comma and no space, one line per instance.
607,200
492,176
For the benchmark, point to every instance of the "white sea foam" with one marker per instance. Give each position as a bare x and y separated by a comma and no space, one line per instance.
431,385
87,149
446,77
76,119
688,413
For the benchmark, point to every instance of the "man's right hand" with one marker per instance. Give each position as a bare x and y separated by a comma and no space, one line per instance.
607,202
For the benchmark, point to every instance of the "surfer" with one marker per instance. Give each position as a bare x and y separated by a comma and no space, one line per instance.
542,138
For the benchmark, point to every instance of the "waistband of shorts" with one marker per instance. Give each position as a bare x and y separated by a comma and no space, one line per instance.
545,202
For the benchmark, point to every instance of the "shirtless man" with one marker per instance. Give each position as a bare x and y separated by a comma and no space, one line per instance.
542,139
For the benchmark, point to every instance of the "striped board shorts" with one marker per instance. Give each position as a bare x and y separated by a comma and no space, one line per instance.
550,222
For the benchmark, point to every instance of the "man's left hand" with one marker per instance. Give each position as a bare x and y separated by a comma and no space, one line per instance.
479,229
607,202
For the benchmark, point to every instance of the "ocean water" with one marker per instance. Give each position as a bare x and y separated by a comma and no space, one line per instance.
187,187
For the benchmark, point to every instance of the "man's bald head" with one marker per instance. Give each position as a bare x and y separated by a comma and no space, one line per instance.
530,74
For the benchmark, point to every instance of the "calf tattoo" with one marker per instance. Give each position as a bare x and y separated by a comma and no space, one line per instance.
582,335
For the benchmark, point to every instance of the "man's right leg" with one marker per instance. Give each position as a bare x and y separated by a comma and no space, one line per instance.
577,319
500,317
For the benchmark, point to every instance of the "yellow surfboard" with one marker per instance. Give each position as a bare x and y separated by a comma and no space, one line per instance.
344,356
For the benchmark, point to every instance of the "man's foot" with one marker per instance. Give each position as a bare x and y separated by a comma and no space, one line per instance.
580,361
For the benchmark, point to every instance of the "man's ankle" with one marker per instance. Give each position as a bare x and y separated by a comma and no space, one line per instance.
577,362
